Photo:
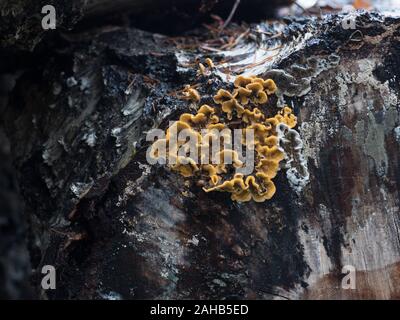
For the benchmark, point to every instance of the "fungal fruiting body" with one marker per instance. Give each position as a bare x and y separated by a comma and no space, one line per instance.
243,108
203,70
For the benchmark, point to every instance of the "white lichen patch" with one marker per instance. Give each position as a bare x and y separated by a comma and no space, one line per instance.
397,134
183,61
90,138
79,189
356,87
361,74
294,163
133,187
312,139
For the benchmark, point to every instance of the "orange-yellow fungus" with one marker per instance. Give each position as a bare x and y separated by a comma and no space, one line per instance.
242,108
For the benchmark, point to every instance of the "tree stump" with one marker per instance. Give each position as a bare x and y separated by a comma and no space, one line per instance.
116,227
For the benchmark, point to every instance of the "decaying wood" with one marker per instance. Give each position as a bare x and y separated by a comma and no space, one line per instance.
116,227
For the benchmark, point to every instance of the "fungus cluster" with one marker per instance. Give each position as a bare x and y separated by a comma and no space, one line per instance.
242,108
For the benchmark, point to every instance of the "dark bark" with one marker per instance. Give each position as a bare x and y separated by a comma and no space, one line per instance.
21,27
114,226
14,257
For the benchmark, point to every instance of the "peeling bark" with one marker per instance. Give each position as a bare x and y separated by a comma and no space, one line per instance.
113,225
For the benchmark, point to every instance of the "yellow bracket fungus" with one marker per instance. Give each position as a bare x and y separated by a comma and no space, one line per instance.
244,108
190,93
203,70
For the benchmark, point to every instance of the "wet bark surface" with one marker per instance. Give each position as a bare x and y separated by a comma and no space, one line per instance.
116,227
14,257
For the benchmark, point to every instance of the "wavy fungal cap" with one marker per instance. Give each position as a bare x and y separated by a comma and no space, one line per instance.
190,93
243,108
